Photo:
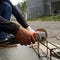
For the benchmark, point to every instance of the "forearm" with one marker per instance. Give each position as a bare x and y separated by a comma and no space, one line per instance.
8,26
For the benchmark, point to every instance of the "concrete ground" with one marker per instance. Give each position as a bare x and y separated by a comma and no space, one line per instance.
25,53
53,29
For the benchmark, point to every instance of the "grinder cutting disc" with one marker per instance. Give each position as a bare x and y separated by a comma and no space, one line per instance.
42,30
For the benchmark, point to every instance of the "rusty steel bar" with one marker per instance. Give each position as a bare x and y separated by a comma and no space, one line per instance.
56,53
51,49
53,45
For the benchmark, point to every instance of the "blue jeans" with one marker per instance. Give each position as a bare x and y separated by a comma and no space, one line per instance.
5,12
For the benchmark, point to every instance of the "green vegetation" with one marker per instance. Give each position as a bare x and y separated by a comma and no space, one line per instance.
47,18
23,6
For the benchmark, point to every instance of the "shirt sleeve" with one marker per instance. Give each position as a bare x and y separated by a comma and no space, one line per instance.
18,15
8,26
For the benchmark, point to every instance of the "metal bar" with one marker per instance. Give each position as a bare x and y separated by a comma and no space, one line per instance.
38,49
51,49
56,53
45,45
44,54
47,48
50,54
54,45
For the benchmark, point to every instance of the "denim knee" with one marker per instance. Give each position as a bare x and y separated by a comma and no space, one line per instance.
6,10
7,6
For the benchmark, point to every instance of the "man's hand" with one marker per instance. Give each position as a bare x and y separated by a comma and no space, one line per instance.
24,36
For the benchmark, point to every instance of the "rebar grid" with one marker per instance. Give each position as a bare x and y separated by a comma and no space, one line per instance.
48,49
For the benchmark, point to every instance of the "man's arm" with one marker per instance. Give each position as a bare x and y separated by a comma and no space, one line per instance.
8,26
22,35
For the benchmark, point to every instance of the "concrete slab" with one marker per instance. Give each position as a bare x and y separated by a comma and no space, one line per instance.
18,53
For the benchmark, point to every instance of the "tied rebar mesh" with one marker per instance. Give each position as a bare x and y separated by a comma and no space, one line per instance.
52,49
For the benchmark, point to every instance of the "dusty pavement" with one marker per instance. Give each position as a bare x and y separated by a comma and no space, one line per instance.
53,29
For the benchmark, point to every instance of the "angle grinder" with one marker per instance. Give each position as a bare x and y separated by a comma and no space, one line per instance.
41,35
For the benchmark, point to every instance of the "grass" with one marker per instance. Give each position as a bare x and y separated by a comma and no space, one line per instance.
46,18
